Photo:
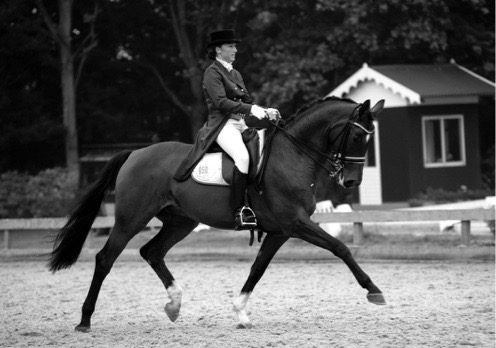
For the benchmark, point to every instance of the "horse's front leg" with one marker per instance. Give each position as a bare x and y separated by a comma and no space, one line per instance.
311,232
270,246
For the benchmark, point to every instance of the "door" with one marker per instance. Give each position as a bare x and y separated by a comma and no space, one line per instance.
370,190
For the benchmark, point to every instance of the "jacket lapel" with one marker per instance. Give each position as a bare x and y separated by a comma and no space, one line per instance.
229,75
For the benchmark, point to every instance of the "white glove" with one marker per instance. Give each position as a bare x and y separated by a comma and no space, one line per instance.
258,112
274,114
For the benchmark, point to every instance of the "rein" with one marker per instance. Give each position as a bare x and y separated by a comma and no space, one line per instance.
338,159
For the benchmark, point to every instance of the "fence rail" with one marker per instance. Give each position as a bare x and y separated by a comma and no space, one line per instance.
358,218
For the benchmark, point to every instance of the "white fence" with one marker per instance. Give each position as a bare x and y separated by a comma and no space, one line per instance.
358,218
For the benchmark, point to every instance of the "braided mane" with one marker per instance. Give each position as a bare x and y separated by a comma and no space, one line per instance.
314,102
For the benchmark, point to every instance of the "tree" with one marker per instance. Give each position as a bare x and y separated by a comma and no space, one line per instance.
420,31
171,43
305,48
30,131
145,73
62,34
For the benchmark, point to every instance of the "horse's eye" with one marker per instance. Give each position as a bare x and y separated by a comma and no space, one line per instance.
356,139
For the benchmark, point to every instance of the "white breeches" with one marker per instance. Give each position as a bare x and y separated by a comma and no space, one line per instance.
231,141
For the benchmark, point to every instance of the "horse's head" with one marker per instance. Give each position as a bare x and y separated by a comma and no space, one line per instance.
342,143
350,140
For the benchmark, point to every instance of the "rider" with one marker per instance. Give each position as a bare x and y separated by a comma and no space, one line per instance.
228,104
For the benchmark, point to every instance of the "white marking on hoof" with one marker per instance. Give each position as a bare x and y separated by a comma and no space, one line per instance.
244,326
173,307
239,307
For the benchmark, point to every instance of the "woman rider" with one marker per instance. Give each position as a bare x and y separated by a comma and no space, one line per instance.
228,104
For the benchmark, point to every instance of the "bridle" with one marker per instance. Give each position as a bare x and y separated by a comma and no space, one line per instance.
335,163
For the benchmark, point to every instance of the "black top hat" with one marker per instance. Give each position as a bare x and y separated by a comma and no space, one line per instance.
222,37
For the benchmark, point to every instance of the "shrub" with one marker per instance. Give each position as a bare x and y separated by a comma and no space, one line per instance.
50,193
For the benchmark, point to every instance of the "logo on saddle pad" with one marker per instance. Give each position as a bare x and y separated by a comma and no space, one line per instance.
215,168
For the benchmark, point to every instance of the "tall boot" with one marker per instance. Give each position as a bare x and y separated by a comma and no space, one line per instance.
244,218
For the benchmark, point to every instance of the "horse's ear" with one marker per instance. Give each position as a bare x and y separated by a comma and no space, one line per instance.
377,108
364,108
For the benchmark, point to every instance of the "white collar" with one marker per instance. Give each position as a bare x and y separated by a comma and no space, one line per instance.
226,65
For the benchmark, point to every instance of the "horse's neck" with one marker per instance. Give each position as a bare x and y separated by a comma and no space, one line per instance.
295,158
312,128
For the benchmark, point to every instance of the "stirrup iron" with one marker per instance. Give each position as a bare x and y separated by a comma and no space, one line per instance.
251,213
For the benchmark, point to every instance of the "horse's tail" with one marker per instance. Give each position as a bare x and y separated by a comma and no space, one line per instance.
69,241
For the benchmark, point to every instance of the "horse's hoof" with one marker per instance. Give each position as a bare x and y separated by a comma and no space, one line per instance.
82,328
244,326
377,299
172,311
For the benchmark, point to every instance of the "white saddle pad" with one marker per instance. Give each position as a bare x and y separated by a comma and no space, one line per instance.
209,170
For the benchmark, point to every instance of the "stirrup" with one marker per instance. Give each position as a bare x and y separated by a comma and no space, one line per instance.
250,214
240,223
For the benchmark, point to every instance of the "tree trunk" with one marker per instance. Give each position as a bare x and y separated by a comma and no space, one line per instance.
195,110
198,111
68,89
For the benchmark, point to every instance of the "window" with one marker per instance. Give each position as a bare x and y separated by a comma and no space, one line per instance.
443,141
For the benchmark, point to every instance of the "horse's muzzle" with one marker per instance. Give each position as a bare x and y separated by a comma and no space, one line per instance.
351,175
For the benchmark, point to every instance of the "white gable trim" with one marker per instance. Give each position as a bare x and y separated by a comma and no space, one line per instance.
368,74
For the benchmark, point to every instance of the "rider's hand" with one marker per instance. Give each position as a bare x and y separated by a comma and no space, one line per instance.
258,112
273,114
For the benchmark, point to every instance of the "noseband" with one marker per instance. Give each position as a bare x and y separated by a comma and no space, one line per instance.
338,159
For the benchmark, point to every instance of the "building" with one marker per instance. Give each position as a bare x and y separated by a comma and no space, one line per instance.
428,133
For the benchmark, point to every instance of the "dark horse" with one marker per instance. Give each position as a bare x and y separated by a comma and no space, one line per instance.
331,134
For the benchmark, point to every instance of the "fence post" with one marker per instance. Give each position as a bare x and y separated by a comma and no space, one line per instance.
6,240
357,233
466,232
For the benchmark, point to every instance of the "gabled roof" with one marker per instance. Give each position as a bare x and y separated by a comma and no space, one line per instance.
417,82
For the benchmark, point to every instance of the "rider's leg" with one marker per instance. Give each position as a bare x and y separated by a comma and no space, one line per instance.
243,218
231,141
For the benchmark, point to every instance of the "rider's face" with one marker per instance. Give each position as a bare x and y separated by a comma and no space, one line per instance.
227,52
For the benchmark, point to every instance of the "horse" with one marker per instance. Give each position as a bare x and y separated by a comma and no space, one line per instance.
329,134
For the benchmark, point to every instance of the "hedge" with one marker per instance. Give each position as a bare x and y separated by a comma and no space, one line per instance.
50,193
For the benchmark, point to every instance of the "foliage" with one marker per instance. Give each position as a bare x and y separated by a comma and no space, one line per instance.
302,49
47,194
143,80
29,91
439,196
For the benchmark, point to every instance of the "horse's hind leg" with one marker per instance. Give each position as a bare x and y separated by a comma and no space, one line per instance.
104,262
175,229
270,246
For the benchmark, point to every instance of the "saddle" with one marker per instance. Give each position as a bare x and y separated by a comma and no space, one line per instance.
216,166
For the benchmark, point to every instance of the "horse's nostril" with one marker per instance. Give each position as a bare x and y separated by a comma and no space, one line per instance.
349,183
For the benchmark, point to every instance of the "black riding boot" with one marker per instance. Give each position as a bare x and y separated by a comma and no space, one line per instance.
244,218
